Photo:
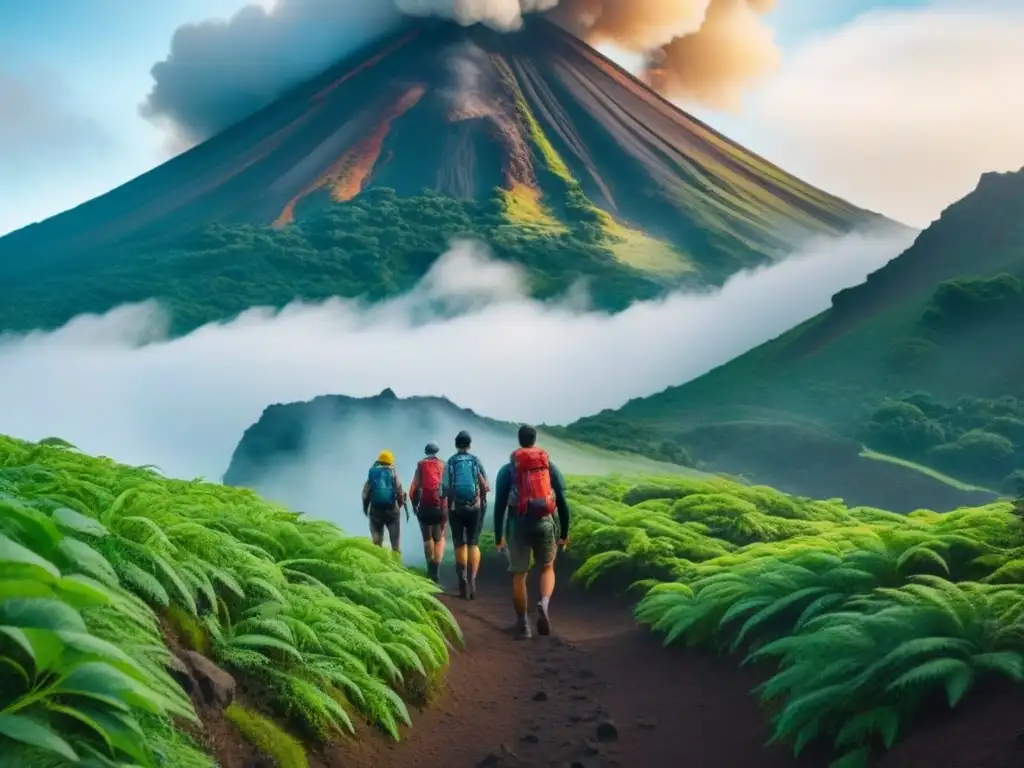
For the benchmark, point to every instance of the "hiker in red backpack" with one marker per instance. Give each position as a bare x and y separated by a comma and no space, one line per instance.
425,492
530,490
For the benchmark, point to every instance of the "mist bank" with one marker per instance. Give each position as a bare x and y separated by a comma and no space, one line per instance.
115,385
314,456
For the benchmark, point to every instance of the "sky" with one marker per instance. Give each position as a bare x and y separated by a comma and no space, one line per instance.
897,105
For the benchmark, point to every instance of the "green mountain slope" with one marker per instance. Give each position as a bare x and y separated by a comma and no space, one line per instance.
354,182
938,330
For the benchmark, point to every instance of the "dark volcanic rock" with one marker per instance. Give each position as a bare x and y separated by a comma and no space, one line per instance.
216,686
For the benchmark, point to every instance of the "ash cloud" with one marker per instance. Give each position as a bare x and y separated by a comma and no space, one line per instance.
220,71
183,404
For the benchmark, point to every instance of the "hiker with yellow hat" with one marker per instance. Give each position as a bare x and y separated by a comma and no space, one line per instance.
382,496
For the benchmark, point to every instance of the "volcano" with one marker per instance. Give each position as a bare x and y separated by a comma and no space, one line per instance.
535,131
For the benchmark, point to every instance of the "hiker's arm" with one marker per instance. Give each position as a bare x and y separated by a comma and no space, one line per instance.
482,477
501,489
400,491
446,485
415,482
558,486
366,497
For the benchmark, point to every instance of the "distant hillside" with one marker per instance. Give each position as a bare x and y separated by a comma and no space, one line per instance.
314,455
924,360
354,182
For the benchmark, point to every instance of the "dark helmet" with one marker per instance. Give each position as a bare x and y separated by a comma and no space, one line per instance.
462,440
432,449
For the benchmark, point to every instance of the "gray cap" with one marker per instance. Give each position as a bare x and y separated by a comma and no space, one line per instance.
431,449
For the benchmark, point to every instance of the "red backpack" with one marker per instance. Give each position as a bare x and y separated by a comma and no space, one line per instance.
431,469
534,495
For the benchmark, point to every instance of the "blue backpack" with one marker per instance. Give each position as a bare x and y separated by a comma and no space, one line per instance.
463,473
382,485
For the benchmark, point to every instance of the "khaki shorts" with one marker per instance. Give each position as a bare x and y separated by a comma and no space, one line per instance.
537,537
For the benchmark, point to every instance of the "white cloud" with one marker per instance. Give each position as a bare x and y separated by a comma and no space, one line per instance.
900,111
183,404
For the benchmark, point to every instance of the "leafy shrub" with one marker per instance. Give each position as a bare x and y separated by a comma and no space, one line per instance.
330,625
965,300
81,660
904,429
976,451
858,674
1010,427
1013,484
978,439
868,612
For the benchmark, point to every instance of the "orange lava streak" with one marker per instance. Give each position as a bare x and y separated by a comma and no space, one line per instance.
346,175
375,59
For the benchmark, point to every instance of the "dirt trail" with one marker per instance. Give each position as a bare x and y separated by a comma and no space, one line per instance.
669,708
541,703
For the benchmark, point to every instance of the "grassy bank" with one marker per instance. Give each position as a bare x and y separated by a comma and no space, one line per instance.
101,565
866,616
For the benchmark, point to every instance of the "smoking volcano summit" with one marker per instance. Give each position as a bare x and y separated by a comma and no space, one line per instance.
531,140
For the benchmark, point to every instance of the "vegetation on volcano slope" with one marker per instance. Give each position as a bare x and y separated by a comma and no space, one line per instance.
97,559
869,615
941,324
376,245
978,439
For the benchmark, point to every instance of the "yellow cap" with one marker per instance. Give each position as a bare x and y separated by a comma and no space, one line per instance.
386,457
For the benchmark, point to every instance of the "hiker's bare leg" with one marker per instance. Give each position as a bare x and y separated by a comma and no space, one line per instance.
439,546
395,538
545,551
461,554
547,581
474,560
519,597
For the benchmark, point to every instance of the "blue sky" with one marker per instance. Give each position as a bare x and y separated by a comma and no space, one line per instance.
85,66
101,52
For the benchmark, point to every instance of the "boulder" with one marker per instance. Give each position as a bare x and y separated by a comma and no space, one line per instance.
216,686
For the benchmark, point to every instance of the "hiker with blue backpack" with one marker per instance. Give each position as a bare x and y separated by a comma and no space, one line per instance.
464,490
383,497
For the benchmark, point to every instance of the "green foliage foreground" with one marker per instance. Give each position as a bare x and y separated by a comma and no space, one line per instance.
867,615
97,559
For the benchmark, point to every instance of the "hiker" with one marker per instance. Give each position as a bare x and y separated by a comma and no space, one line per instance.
530,489
382,497
464,489
425,492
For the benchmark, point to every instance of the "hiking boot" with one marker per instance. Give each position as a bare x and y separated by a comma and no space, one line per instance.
543,622
463,585
522,629
432,572
472,587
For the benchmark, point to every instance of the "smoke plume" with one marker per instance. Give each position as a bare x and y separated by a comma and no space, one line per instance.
219,72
